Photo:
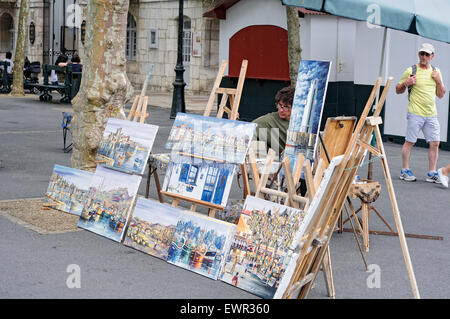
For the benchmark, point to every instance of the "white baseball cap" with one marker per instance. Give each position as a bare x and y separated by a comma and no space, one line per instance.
427,47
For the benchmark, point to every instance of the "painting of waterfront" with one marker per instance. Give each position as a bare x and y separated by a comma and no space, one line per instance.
126,145
199,244
210,137
68,189
108,205
199,179
307,108
151,227
261,248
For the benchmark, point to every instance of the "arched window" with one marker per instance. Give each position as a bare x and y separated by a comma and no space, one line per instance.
6,33
130,50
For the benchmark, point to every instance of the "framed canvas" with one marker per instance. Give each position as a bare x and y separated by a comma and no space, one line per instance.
307,108
126,145
260,251
110,199
151,227
199,179
68,188
210,137
199,244
311,215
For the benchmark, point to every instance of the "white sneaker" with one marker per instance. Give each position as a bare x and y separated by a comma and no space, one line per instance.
442,178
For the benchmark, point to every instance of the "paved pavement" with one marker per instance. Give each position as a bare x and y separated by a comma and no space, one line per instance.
35,266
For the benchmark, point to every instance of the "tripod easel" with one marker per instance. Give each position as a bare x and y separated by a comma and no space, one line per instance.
309,263
141,100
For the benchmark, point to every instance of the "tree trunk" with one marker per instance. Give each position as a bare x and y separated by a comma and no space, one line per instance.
294,49
105,87
19,55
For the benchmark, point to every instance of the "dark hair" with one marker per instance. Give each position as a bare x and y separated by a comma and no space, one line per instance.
75,58
61,58
8,55
285,95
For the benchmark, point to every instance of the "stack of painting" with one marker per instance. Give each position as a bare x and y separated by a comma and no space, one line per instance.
204,154
307,108
185,239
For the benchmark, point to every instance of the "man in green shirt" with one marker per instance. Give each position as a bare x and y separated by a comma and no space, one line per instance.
424,83
272,127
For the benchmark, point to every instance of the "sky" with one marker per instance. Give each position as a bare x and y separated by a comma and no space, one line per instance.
252,202
81,179
114,179
141,133
155,212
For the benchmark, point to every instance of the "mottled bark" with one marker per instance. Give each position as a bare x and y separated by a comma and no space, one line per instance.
19,55
294,49
105,87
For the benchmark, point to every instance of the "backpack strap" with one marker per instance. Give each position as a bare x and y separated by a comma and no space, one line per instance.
413,72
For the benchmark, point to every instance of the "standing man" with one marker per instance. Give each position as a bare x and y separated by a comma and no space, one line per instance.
423,82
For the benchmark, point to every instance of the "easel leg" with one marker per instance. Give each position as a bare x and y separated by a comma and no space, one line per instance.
328,273
365,226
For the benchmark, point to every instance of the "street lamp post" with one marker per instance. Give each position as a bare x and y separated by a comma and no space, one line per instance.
178,104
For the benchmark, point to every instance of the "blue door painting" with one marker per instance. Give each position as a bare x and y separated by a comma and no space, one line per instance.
220,188
184,173
210,182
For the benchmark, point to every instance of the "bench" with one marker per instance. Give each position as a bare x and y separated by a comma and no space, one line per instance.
68,89
6,79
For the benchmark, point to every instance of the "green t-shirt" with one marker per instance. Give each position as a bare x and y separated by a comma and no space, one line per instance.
422,100
268,122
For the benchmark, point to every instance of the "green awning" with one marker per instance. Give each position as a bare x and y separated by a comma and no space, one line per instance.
427,18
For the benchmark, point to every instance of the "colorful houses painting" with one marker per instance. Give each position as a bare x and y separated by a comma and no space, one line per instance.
199,179
68,188
261,247
200,243
152,227
307,107
126,145
210,137
110,198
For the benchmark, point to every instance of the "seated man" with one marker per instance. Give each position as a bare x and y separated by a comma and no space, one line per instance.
10,67
272,127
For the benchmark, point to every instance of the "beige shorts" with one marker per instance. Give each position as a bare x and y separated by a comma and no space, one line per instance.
428,125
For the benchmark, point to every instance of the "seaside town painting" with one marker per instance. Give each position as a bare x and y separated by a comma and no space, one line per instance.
126,145
151,227
310,91
260,251
210,137
200,243
110,198
68,189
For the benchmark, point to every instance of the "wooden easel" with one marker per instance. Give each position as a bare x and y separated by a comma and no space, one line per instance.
140,101
233,95
310,261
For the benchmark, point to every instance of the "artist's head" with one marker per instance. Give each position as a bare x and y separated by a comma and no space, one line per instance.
426,54
75,58
8,55
283,101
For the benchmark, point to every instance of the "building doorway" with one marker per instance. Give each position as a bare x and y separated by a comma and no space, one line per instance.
186,49
6,33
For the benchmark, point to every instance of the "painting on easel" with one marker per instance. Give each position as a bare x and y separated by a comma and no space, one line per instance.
126,145
310,91
210,137
68,188
260,251
199,179
200,243
110,198
152,227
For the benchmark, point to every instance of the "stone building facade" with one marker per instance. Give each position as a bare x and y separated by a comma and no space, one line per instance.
152,34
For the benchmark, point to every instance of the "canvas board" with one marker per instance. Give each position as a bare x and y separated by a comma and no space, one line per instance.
110,199
311,214
307,108
199,179
200,243
152,227
211,137
126,145
260,251
68,188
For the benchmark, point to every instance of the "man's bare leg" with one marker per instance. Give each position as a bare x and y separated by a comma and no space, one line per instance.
433,155
406,153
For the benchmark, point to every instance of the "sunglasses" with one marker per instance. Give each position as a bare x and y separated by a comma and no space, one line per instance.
285,107
424,53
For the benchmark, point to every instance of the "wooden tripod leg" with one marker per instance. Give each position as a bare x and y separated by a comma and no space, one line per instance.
328,273
398,221
365,226
158,186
